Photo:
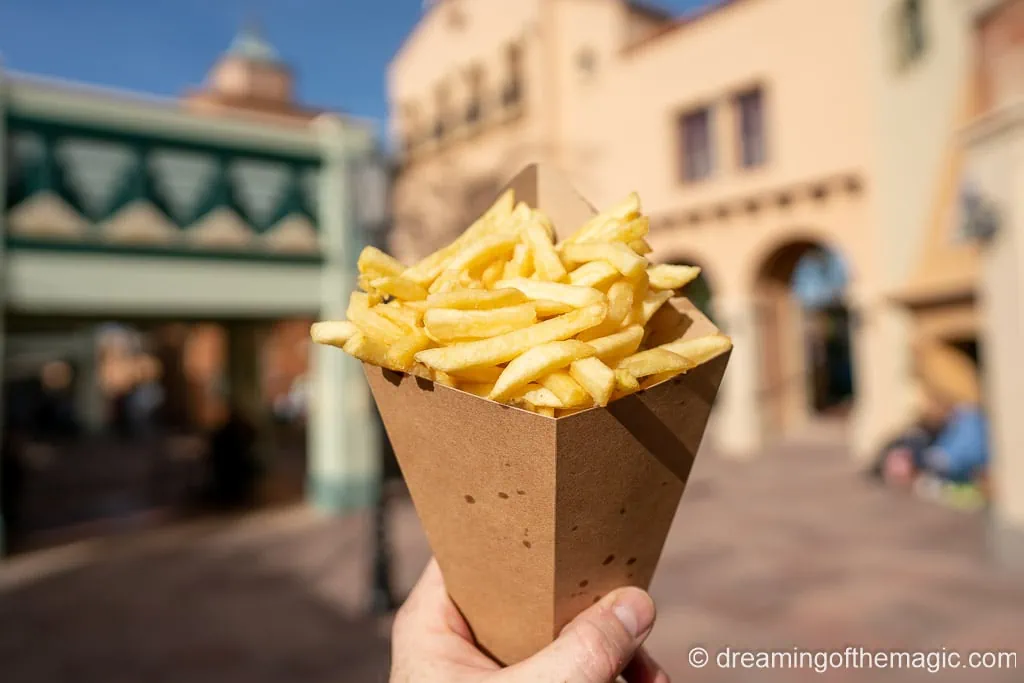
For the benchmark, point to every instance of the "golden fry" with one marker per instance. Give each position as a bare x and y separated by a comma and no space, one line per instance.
472,299
626,209
400,288
624,231
546,309
507,346
402,354
399,314
545,258
596,274
446,324
373,261
572,295
701,349
651,303
620,305
368,350
479,375
539,397
595,377
653,362
492,274
537,362
641,247
619,255
625,382
444,378
481,389
372,323
619,344
506,313
665,276
521,263
482,251
567,389
333,332
427,270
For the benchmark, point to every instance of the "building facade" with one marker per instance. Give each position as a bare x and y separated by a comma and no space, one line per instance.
993,220
235,206
755,131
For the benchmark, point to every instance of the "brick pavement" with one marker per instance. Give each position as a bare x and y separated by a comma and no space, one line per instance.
791,550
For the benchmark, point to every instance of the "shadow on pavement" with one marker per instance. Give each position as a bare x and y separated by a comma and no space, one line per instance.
203,613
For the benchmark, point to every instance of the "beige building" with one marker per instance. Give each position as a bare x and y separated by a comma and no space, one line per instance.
756,132
994,170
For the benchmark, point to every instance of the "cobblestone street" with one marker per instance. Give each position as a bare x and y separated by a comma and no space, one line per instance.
792,550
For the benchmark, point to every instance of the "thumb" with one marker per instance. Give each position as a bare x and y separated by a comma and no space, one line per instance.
596,646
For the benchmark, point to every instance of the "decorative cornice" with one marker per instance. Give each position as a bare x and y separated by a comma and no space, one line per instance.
46,215
141,223
184,252
139,114
220,228
753,203
293,233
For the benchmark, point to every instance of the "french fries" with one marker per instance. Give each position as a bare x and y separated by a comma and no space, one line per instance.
507,314
449,325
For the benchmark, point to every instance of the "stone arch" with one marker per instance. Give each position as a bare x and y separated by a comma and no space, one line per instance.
775,254
800,287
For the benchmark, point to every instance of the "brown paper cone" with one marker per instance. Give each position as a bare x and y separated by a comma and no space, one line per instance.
532,518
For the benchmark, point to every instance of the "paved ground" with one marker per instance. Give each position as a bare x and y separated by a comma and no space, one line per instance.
793,550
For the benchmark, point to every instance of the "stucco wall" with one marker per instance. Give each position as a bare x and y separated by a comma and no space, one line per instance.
439,188
915,110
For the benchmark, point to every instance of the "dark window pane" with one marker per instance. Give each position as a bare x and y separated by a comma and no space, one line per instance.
511,93
695,138
912,32
750,110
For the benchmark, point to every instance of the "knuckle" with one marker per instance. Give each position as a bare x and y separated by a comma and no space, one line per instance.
600,654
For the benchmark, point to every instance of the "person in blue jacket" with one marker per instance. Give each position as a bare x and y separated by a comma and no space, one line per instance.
958,450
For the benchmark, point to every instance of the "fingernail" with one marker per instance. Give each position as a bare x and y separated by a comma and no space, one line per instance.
635,611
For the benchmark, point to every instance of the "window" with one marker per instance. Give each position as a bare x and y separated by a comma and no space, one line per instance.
911,38
512,92
749,107
696,147
443,99
475,84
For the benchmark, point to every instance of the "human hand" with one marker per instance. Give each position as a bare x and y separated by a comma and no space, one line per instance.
431,643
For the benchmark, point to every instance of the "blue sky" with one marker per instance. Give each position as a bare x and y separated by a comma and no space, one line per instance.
339,48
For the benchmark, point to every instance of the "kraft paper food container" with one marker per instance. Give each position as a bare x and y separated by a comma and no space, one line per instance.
531,518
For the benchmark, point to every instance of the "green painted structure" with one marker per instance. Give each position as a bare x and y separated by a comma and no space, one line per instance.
121,207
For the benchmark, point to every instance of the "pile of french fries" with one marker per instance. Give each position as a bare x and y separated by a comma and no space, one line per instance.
506,313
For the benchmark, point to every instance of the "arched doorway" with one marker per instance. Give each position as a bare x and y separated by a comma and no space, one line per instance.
804,330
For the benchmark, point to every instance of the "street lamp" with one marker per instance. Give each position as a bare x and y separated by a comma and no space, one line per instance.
371,185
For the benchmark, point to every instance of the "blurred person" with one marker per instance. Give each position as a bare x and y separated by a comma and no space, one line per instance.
958,453
233,465
146,396
898,456
290,407
432,643
57,407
